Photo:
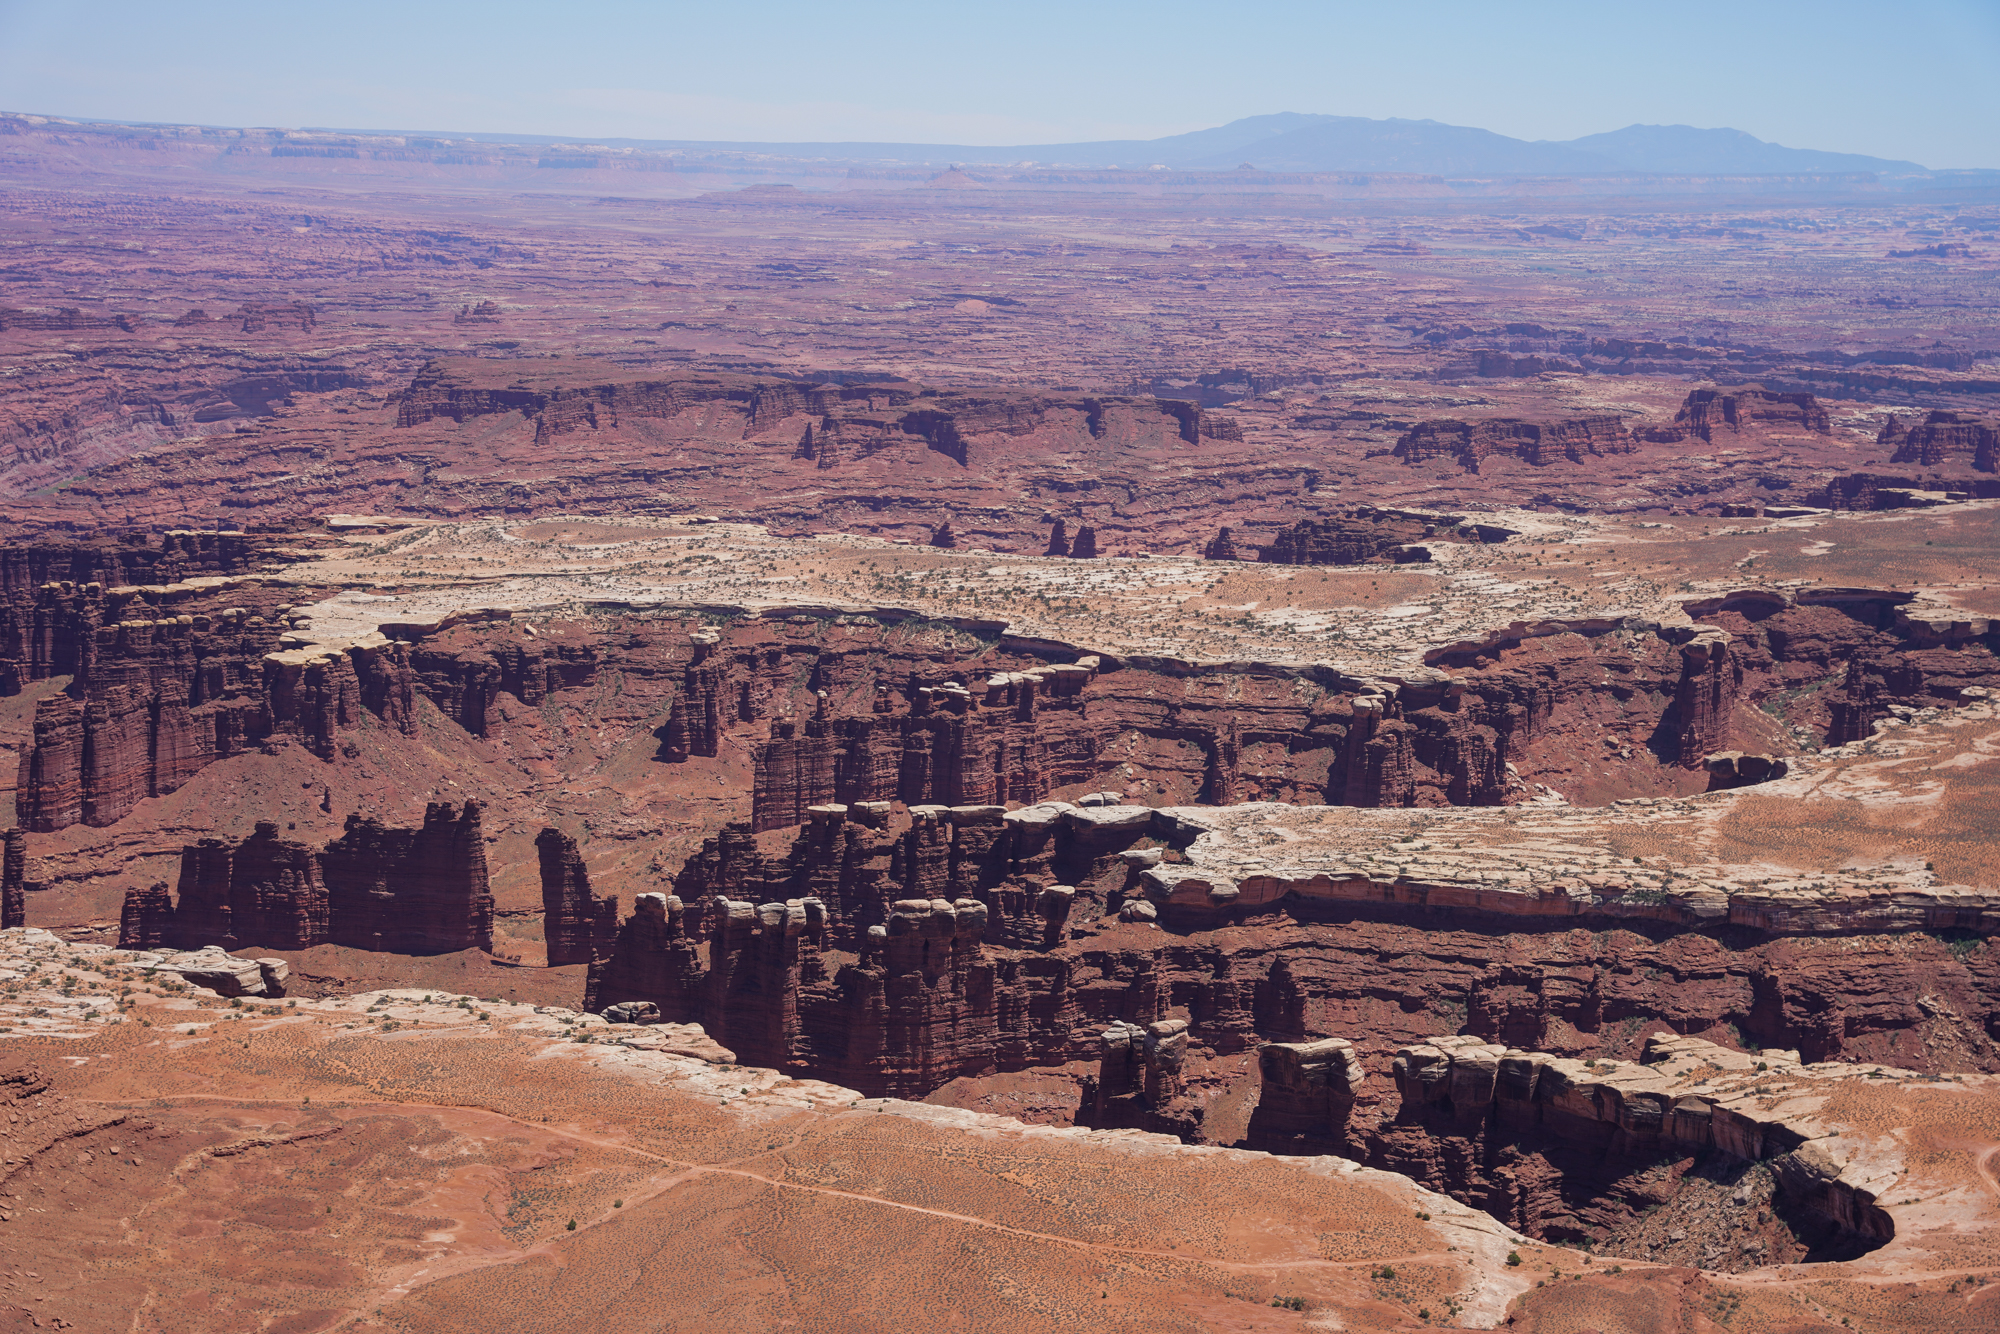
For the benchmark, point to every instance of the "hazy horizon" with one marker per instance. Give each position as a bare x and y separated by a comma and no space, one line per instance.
1831,77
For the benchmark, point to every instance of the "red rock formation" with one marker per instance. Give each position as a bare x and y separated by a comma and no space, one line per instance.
48,608
1085,545
265,891
943,537
898,725
157,698
259,316
1942,438
1705,696
1500,365
578,925
13,880
1356,537
410,891
1536,443
1058,540
1746,406
1306,1093
1565,1149
749,944
1222,548
147,919
465,683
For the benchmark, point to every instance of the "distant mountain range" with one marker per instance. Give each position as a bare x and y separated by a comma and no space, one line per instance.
1292,142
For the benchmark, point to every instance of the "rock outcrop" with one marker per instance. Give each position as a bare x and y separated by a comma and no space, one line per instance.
13,880
945,914
1552,1145
158,696
1306,1092
45,633
577,925
851,714
845,420
1537,443
1749,406
1357,537
410,891
1942,439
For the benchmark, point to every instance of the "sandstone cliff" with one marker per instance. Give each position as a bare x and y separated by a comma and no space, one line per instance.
1537,443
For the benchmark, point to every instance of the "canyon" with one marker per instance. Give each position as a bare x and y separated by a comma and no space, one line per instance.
1351,754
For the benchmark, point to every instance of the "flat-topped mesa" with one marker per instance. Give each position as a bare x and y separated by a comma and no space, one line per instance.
1600,1118
1941,439
578,925
410,891
834,424
1361,536
1745,407
1537,443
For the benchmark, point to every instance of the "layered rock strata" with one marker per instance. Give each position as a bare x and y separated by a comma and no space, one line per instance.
1363,535
1942,439
1750,406
848,724
838,422
1536,443
1559,1147
1278,922
156,696
43,634
410,891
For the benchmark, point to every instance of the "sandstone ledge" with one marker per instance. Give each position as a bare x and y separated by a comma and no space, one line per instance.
1537,862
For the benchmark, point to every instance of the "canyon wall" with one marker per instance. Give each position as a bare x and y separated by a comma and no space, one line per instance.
897,950
1942,439
849,709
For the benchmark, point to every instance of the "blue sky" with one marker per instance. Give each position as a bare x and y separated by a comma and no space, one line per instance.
1918,80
